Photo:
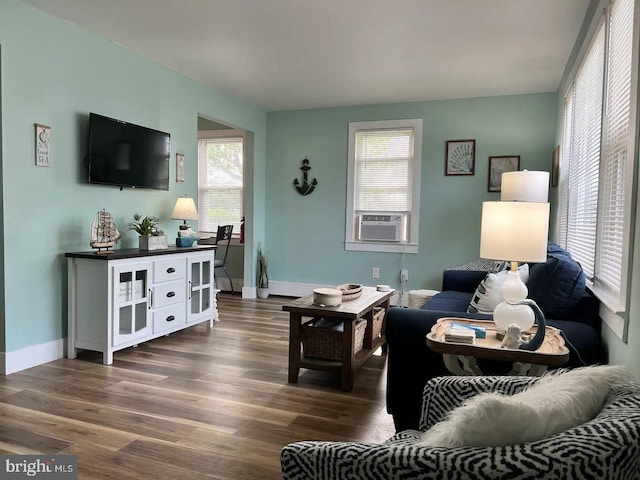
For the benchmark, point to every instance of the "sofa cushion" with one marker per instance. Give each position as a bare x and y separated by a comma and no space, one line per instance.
582,340
449,301
558,284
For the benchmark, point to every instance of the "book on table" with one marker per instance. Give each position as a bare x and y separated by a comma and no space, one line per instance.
460,335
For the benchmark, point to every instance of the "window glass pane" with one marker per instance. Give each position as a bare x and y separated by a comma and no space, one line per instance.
597,145
584,157
383,170
220,183
615,145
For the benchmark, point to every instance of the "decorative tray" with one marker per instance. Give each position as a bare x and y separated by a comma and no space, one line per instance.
350,291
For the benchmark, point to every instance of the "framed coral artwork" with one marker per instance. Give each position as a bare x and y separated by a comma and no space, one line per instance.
460,157
499,165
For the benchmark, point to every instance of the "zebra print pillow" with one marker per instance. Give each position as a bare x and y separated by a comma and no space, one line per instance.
488,295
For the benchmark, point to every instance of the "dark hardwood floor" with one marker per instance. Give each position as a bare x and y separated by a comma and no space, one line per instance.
201,403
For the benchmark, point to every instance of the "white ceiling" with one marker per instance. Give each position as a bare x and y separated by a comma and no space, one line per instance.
294,54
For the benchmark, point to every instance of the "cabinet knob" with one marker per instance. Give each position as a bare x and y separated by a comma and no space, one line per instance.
170,318
171,270
171,294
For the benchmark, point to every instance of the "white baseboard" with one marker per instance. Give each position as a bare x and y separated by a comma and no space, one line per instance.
32,356
293,289
249,292
285,289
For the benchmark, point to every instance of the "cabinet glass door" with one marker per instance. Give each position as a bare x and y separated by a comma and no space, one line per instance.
200,286
131,318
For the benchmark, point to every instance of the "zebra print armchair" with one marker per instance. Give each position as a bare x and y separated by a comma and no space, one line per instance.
607,447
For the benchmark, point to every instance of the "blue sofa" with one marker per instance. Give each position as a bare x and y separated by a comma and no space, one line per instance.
562,296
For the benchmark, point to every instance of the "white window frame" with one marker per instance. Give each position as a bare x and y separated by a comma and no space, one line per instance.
613,308
225,133
411,244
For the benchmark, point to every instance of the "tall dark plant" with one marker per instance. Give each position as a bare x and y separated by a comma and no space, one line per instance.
263,268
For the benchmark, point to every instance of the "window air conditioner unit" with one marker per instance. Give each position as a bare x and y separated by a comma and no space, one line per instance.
381,228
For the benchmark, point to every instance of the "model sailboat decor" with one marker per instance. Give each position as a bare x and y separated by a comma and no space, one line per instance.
104,233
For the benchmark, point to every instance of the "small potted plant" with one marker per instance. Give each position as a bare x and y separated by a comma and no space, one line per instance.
262,273
151,237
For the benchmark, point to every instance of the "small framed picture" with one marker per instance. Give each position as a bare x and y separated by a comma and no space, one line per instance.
179,167
460,157
43,145
555,167
499,165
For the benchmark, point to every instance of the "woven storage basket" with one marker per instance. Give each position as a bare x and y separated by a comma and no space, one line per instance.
350,291
325,343
378,321
417,298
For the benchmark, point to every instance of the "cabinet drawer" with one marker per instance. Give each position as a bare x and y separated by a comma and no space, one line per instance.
168,317
168,294
169,269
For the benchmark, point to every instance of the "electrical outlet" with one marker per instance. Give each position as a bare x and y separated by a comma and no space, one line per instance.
375,272
404,275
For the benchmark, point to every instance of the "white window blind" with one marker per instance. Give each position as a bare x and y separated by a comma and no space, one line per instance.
383,170
597,150
220,183
615,148
383,178
584,156
563,184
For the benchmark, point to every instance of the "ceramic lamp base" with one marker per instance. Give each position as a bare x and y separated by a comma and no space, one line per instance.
184,241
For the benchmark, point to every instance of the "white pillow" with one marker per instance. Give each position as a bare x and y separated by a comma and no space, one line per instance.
554,404
488,295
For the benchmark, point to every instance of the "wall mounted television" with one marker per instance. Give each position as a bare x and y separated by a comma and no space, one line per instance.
126,155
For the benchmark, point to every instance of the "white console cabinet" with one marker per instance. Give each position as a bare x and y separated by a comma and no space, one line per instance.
120,299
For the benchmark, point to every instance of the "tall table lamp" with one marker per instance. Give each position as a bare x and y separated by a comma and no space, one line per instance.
184,210
516,232
525,186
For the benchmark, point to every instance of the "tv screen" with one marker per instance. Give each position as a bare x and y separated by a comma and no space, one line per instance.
127,155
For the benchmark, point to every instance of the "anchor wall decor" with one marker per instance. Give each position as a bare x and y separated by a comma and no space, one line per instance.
305,188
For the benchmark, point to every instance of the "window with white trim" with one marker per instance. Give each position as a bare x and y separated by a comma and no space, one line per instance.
596,179
383,186
220,182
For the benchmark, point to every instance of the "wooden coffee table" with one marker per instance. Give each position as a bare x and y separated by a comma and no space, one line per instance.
348,313
460,358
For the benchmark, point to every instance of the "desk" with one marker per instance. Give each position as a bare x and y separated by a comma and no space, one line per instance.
460,359
347,313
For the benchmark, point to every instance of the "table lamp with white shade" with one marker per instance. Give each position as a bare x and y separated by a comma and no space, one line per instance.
184,210
525,186
517,231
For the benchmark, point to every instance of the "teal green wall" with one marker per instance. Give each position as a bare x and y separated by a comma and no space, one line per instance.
54,73
305,235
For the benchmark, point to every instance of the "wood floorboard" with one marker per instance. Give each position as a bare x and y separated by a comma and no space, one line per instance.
201,403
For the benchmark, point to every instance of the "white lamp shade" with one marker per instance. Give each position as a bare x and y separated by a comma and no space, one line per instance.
514,231
185,209
525,186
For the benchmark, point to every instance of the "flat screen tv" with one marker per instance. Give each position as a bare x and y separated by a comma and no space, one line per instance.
127,155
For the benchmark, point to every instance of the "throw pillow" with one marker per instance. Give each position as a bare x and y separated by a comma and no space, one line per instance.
481,265
558,284
488,295
557,402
